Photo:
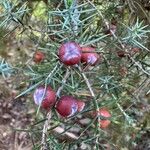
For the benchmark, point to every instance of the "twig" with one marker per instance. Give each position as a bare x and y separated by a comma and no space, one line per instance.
94,98
138,65
119,41
146,15
68,134
128,118
141,88
92,93
16,141
87,82
76,17
60,3
46,124
107,24
45,128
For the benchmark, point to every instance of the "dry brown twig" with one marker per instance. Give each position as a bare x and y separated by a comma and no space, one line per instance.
91,91
45,128
60,130
94,98
145,84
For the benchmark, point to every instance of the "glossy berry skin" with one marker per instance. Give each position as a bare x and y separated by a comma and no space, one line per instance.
45,98
81,105
89,56
70,53
104,122
38,57
121,54
67,106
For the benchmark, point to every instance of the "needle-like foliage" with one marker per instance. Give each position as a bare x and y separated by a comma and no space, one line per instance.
116,83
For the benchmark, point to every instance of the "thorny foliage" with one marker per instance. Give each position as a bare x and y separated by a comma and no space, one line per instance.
119,84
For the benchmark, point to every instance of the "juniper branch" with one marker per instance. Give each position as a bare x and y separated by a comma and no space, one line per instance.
119,41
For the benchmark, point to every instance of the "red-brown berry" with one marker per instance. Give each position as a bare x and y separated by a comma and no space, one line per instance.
104,122
67,106
45,97
104,115
121,54
38,57
89,56
135,50
70,53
